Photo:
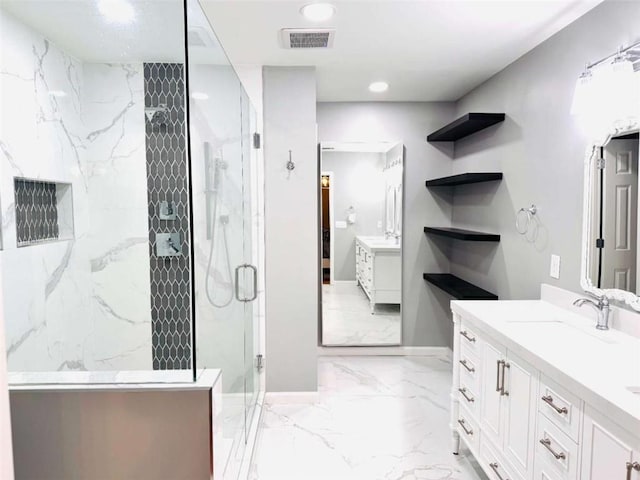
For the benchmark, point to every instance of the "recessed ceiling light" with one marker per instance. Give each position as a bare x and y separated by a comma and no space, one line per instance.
199,96
116,11
318,12
379,87
57,93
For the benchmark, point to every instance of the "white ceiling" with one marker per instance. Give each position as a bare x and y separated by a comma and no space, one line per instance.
155,35
429,50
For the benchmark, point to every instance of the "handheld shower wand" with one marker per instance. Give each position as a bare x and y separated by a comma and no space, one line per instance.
213,194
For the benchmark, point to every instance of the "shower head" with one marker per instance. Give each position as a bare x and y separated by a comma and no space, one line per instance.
157,115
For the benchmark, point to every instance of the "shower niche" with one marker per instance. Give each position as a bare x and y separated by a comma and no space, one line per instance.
44,211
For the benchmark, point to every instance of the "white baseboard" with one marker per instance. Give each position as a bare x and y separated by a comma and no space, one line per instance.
289,398
385,351
344,282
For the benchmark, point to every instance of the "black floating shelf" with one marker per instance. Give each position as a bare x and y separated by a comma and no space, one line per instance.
460,234
465,126
463,179
458,288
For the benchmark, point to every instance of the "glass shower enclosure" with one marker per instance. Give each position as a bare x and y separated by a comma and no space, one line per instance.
130,202
223,129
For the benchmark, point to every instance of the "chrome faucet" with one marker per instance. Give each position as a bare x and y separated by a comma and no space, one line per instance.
601,304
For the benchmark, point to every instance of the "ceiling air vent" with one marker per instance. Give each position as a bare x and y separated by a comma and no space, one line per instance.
307,37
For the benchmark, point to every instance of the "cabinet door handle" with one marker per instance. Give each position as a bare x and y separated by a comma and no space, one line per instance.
498,364
466,335
505,365
494,467
547,444
548,399
469,399
632,466
464,427
464,364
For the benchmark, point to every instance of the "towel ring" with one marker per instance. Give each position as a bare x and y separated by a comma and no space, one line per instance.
524,221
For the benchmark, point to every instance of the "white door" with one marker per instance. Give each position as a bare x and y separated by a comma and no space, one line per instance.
620,215
607,453
491,404
520,391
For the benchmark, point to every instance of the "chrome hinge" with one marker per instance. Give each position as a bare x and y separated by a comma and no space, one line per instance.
256,141
259,362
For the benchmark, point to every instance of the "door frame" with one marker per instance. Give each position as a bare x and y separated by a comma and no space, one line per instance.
331,175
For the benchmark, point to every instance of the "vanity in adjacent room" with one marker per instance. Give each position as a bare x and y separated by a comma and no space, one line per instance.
540,393
379,269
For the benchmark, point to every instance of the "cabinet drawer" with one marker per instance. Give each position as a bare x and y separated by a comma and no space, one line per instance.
556,449
469,366
543,471
469,398
494,464
468,428
561,407
470,341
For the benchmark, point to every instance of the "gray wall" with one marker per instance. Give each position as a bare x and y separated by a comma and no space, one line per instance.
291,232
112,434
358,181
424,309
540,149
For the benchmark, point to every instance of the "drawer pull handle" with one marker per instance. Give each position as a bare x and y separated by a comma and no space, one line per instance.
464,427
466,335
464,364
504,366
548,399
632,466
468,398
498,363
547,444
494,467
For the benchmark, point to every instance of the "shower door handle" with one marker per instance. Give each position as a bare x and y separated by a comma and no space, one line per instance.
254,270
237,283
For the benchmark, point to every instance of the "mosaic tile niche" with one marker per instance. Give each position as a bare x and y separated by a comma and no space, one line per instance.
167,184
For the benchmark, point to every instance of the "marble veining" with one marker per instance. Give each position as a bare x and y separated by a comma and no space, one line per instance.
347,318
376,418
80,303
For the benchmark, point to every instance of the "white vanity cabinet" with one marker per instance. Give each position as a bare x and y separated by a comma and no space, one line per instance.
379,270
519,422
506,386
608,450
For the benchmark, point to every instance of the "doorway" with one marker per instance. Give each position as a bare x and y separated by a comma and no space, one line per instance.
326,187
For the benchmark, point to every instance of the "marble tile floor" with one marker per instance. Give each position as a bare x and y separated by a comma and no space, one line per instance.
376,418
347,318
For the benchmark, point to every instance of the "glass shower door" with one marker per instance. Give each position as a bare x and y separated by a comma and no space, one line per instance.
251,253
221,126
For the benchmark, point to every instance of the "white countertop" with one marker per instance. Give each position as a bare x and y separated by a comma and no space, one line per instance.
380,244
598,366
137,380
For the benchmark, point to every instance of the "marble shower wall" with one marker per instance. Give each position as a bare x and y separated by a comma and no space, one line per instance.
113,100
81,303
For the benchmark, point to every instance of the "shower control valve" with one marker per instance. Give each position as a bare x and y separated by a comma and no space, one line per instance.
168,244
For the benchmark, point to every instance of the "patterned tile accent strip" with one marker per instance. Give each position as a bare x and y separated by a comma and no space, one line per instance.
36,211
167,181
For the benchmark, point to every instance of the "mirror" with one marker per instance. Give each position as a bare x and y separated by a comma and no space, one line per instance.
611,263
361,235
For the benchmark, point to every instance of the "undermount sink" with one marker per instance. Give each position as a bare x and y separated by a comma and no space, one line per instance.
635,390
553,325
